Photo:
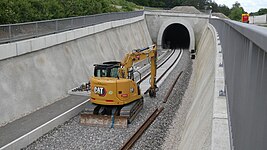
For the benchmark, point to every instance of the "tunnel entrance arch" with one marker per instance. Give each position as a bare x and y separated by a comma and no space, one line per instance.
176,33
175,36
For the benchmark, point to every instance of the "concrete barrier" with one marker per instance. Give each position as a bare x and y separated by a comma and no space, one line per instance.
206,125
8,50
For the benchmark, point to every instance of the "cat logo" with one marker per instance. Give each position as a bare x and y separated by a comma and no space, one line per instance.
100,91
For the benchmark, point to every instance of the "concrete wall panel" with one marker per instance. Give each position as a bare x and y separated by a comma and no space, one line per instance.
81,33
38,43
8,50
199,118
102,27
90,30
117,23
68,36
24,47
50,40
61,37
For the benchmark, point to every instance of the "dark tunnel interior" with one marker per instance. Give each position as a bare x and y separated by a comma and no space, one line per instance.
176,36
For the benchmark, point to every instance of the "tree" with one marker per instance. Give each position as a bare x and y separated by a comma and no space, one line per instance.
171,3
214,6
262,11
236,5
7,13
224,9
236,12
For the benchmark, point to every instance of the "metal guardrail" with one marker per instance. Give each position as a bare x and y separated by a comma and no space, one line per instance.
21,31
244,50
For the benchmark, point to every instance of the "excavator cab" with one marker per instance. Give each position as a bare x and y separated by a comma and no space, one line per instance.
107,69
110,69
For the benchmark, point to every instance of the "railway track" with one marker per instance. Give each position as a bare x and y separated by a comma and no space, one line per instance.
131,141
161,63
162,70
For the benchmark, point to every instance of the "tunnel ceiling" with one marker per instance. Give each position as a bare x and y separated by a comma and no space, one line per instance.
176,36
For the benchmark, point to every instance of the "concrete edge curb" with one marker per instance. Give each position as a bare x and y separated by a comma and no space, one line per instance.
220,136
33,135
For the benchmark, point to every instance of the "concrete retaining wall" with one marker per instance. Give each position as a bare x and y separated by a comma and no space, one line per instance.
198,126
53,64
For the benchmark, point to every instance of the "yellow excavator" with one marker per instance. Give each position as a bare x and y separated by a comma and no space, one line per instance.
116,97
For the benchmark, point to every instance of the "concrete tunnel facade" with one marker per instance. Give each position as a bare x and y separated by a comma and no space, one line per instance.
176,34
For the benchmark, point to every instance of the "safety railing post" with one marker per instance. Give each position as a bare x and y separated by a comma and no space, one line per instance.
36,29
9,32
56,25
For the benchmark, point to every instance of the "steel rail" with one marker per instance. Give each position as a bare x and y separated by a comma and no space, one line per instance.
130,142
170,90
162,75
162,63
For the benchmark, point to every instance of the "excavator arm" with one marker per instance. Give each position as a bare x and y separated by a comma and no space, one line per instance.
137,56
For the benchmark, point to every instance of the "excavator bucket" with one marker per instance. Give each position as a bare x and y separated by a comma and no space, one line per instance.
127,115
104,121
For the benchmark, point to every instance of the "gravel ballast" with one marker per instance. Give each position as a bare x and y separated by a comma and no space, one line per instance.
72,135
154,137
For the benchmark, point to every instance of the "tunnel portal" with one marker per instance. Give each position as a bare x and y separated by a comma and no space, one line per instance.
175,36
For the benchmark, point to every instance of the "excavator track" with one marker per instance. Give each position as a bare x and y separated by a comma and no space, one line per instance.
110,116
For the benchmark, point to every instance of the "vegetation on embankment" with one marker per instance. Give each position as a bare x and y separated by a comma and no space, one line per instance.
17,11
234,13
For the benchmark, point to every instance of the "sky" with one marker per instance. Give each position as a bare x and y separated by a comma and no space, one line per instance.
248,5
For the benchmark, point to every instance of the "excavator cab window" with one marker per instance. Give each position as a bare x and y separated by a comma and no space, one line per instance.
108,69
101,73
114,72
